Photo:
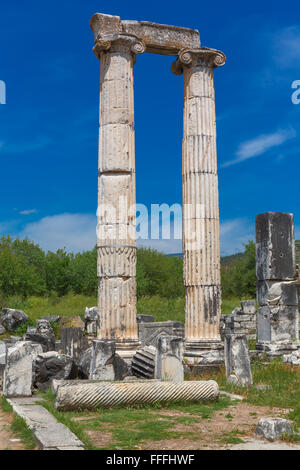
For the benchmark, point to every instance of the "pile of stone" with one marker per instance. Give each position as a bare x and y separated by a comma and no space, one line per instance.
241,321
277,318
43,334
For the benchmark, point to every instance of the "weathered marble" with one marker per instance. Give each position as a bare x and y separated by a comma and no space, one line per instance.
149,332
17,380
117,42
116,188
73,342
277,294
169,359
273,428
201,231
237,360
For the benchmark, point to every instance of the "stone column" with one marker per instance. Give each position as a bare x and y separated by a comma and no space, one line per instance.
277,296
201,232
116,193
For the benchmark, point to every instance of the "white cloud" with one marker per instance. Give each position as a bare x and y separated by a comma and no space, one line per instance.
260,145
28,212
75,232
286,46
234,234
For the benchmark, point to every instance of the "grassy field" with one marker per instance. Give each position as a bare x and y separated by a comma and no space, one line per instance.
190,425
163,309
18,426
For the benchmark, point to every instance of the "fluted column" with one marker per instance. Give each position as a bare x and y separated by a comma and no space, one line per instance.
201,231
116,193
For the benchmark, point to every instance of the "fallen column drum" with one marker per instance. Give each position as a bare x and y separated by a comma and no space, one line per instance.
107,394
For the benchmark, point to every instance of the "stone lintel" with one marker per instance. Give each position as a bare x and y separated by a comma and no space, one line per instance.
158,38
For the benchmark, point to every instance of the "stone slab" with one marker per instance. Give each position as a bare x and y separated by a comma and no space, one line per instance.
158,38
169,359
49,433
150,332
237,360
275,246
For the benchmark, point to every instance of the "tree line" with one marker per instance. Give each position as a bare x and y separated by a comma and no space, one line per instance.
26,270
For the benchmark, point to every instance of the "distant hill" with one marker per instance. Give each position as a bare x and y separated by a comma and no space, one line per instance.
225,260
231,259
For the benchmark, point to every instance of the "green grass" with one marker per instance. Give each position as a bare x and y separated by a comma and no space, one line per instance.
19,427
143,422
284,391
69,305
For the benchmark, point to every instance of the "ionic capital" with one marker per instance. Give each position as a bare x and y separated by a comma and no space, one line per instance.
118,42
201,56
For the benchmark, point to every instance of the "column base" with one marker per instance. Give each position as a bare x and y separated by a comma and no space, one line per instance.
204,354
127,349
278,348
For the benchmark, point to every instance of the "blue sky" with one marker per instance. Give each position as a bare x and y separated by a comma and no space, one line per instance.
49,124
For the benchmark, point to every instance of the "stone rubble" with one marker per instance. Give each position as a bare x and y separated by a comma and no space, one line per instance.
273,428
241,321
11,319
43,334
52,365
73,342
293,358
143,362
91,321
106,364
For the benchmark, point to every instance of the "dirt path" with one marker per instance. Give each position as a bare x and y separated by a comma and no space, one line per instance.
7,440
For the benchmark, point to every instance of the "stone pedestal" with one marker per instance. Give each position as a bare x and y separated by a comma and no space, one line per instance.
116,195
201,232
169,359
237,360
277,296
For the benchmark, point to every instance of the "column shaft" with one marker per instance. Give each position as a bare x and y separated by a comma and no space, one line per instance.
201,230
116,198
201,245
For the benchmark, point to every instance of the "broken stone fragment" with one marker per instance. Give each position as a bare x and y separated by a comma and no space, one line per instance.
293,358
169,359
73,342
248,306
17,381
237,360
273,428
105,363
91,320
11,319
143,362
43,334
273,293
275,246
52,365
84,364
